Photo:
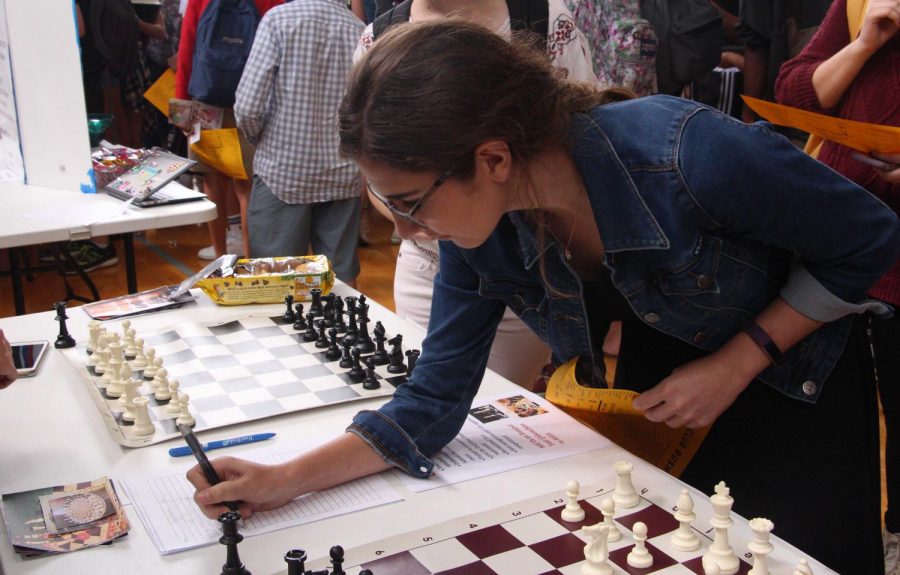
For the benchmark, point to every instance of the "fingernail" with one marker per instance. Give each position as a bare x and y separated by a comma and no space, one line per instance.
203,497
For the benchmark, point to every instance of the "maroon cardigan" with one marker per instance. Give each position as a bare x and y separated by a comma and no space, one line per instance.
874,96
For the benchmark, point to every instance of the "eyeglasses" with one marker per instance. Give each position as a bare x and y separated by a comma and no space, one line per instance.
409,215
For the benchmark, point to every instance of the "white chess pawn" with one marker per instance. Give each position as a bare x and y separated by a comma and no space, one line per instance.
639,557
803,568
125,379
625,496
115,356
130,393
161,385
596,552
142,424
102,364
93,333
99,346
126,325
153,364
114,387
711,569
173,406
608,509
720,551
185,418
130,349
573,512
140,360
760,545
684,538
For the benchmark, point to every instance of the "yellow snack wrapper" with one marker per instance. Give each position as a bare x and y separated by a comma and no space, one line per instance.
268,280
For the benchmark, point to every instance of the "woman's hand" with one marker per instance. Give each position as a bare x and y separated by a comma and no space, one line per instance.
881,22
254,486
891,175
8,373
696,394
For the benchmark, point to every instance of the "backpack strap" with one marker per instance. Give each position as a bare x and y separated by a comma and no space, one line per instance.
396,15
533,15
856,12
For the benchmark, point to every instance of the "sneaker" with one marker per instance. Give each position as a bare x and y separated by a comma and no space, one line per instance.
234,243
891,553
89,257
395,238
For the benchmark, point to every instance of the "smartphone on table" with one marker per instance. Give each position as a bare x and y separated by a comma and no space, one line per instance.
27,356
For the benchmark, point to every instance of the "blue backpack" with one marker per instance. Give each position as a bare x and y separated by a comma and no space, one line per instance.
224,37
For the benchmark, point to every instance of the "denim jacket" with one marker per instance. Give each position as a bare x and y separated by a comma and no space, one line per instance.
704,221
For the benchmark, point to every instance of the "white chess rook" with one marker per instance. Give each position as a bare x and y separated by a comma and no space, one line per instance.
625,496
573,512
142,424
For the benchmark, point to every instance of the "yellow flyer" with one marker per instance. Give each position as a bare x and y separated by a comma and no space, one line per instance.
609,411
159,93
862,136
221,149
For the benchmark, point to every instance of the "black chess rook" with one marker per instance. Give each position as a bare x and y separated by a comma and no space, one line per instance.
230,538
296,561
316,306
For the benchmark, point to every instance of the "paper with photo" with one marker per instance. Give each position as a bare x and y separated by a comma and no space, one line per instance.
72,510
505,432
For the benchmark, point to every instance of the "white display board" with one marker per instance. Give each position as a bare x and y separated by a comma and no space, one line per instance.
49,97
12,167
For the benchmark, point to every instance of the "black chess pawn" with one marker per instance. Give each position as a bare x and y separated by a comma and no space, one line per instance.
333,352
370,381
310,334
337,560
299,321
365,572
289,316
63,340
364,341
296,561
230,539
412,356
380,356
396,364
322,342
316,306
339,322
346,357
356,373
352,327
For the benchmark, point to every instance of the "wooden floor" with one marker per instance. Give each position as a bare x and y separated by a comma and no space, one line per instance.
168,256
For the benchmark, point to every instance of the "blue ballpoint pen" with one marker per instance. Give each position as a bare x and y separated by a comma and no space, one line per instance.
184,450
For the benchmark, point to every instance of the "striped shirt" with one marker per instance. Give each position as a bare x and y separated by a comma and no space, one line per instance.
288,98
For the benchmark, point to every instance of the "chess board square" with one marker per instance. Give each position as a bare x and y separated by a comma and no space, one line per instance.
535,528
239,384
255,357
225,328
489,541
288,389
560,551
183,369
204,351
592,515
159,339
402,562
311,371
236,337
477,568
663,542
695,566
657,519
212,403
193,379
270,366
443,555
282,340
249,396
519,561
219,362
276,378
660,559
269,331
170,348
225,416
197,340
172,359
296,361
288,350
244,346
323,383
262,409
337,394
205,390
302,401
258,322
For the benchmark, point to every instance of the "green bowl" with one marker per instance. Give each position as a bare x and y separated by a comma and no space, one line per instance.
97,126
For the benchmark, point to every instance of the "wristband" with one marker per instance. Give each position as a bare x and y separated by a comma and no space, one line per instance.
761,338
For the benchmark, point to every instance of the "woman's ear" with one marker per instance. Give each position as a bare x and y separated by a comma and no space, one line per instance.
493,159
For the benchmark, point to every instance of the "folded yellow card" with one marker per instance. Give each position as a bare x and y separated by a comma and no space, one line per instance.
221,149
159,93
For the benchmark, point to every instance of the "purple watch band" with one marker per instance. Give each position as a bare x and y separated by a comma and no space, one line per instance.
761,338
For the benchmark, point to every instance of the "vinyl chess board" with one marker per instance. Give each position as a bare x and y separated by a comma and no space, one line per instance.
236,371
531,538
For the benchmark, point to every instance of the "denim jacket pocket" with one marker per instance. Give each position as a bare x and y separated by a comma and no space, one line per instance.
521,299
698,275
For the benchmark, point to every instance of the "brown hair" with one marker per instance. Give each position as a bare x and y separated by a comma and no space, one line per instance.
426,95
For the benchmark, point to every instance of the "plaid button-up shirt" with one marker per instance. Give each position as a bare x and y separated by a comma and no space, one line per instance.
288,99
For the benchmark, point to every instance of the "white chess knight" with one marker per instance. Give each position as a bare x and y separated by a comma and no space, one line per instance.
639,557
608,509
760,545
596,552
720,552
684,538
625,496
573,512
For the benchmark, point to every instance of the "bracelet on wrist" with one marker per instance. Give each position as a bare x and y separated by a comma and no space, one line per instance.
761,338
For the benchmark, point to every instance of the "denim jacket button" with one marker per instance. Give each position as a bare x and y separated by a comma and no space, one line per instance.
700,337
651,317
704,282
809,387
423,469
